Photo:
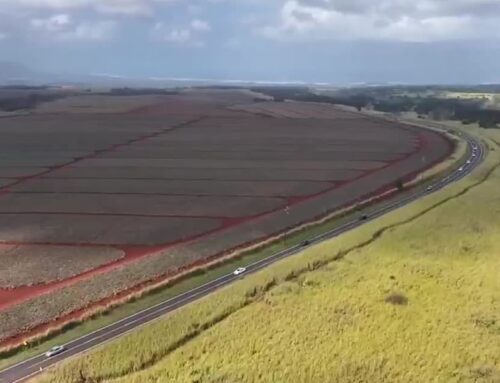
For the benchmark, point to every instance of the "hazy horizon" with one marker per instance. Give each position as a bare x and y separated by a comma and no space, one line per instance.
312,41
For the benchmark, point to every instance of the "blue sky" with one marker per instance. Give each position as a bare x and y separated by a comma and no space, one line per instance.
334,41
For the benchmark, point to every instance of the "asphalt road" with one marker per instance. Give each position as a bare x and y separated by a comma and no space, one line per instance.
29,368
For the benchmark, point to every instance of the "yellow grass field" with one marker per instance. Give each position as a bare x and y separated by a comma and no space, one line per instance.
411,297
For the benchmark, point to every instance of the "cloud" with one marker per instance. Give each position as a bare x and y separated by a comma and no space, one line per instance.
173,35
118,7
400,20
200,25
185,35
64,20
54,23
62,27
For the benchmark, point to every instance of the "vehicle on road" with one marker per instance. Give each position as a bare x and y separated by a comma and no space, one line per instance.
239,271
56,350
364,217
305,243
469,161
461,169
429,188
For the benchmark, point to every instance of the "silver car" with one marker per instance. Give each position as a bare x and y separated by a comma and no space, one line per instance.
56,350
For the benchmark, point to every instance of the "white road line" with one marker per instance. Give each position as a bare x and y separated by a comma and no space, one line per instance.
117,322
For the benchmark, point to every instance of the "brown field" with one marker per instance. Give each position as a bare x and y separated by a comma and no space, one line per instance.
98,104
28,265
104,200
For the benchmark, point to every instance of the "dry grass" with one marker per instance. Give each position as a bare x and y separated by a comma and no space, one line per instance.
323,316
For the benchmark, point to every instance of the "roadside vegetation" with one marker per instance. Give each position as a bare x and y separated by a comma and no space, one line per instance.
411,297
14,98
470,105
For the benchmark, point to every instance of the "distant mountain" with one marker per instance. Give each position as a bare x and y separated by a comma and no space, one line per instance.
12,73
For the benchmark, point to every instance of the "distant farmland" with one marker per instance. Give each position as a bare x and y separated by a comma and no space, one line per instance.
151,188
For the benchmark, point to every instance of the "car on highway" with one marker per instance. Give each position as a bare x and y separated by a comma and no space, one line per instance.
363,217
429,188
305,243
56,350
461,169
473,154
239,271
469,161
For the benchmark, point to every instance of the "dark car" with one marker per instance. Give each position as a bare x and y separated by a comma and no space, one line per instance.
364,217
305,243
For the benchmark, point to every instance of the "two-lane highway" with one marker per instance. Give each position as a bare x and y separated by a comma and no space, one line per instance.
31,367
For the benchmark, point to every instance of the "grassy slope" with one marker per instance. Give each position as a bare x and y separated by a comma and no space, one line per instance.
322,316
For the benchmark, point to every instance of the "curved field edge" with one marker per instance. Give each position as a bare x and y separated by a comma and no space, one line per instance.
50,330
412,296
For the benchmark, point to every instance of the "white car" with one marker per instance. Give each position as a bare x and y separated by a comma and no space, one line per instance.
469,161
473,154
429,188
461,169
239,270
56,350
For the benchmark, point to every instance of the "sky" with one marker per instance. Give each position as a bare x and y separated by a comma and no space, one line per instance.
323,41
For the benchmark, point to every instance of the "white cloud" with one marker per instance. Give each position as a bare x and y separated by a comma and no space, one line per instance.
200,25
125,7
174,35
62,27
186,35
91,31
121,7
400,20
53,23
